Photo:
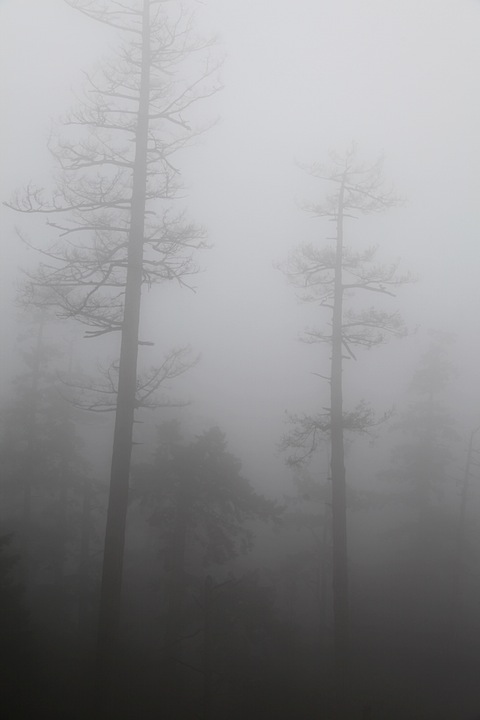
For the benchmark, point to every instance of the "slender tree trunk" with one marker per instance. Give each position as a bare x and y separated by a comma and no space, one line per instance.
84,615
176,595
109,616
207,694
424,482
61,517
290,679
339,502
324,573
459,553
29,466
31,423
63,494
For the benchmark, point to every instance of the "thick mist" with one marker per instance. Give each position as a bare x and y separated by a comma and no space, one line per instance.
298,82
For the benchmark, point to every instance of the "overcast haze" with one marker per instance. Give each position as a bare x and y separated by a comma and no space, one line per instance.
301,78
401,79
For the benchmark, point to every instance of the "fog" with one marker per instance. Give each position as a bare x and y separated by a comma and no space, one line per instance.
299,80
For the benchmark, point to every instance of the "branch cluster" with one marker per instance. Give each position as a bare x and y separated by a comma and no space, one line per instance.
364,190
101,396
84,269
329,275
307,432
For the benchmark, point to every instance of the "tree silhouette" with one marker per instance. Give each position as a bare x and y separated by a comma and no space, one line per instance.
113,216
329,275
194,492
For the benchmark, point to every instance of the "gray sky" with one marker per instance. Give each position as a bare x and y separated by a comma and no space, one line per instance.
400,78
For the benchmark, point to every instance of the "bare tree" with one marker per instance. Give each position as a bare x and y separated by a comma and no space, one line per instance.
329,275
115,223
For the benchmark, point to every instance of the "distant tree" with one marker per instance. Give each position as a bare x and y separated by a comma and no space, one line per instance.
43,475
115,224
423,468
307,513
422,461
195,494
329,275
21,441
243,648
19,691
461,544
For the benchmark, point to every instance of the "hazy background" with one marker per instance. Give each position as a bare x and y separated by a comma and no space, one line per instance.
300,78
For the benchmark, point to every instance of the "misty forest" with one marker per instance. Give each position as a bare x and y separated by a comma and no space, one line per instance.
239,402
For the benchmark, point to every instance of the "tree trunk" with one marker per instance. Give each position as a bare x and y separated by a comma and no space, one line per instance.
324,574
176,595
61,520
30,455
339,503
109,615
84,614
459,552
207,693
